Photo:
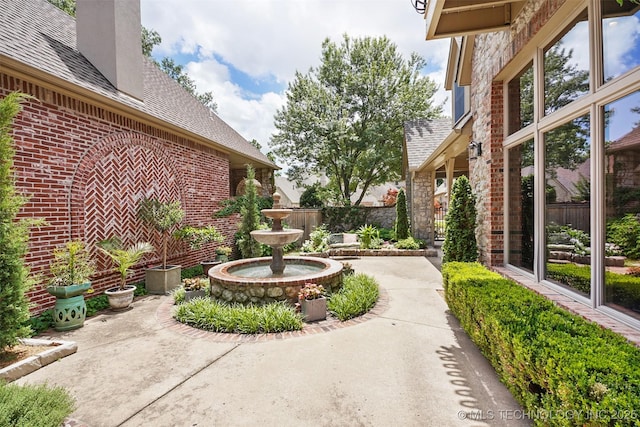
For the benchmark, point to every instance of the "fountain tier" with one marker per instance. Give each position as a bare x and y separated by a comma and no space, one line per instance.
229,281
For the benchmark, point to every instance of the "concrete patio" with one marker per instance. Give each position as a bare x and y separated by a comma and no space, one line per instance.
408,363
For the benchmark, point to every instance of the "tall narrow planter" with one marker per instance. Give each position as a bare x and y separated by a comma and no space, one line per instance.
70,309
314,309
160,281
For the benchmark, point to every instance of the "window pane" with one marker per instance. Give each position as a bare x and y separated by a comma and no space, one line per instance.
521,100
621,37
622,200
521,206
568,189
566,66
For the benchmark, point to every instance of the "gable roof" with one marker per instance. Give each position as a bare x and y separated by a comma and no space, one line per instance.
40,40
422,137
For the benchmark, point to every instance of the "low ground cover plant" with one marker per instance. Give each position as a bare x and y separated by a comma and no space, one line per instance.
34,405
563,369
215,316
358,295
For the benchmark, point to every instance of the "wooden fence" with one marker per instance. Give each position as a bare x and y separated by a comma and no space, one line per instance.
304,219
576,214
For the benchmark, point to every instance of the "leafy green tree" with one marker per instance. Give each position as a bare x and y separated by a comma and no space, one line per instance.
163,217
14,235
402,220
345,118
311,198
250,213
460,235
150,39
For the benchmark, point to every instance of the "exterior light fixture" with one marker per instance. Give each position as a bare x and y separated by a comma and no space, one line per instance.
419,5
475,150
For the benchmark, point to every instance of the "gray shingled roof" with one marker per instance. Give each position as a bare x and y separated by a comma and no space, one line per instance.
422,137
40,35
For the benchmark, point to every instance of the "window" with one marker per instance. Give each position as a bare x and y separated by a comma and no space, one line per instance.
566,66
520,91
521,191
622,202
620,37
567,207
460,103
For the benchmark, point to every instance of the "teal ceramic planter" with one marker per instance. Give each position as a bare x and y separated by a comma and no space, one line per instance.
70,309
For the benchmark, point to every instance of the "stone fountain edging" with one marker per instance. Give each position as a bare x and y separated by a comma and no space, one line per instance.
340,252
228,287
58,350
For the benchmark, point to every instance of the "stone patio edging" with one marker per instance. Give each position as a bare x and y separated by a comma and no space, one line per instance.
58,350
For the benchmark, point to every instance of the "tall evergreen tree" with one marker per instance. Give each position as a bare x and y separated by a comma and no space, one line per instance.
14,235
402,220
460,233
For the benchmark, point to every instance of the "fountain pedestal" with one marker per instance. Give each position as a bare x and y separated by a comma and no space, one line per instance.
277,237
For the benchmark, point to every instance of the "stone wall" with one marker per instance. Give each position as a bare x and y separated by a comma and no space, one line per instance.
422,209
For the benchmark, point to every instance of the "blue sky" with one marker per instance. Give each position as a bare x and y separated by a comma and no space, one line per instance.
246,52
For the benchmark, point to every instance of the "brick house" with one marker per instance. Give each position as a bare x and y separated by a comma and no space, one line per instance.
105,127
543,88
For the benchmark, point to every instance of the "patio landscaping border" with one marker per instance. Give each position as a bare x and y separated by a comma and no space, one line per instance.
58,350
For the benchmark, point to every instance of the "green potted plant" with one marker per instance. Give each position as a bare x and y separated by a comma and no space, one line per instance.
196,237
223,253
121,296
312,302
71,269
163,217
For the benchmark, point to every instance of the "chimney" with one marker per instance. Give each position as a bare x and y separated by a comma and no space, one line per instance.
109,35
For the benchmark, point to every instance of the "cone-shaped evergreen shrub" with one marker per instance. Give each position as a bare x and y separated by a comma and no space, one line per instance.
14,309
402,220
460,237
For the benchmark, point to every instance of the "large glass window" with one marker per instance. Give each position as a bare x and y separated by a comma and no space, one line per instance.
521,190
567,196
622,203
620,37
566,66
521,100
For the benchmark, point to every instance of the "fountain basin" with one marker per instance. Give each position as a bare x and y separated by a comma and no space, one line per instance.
277,238
229,281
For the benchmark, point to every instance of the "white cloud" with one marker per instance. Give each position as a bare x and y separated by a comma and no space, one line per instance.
269,40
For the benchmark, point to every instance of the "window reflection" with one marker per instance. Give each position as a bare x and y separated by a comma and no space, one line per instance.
566,66
622,195
620,37
521,205
568,190
521,100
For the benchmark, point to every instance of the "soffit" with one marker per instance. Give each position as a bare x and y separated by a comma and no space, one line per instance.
451,18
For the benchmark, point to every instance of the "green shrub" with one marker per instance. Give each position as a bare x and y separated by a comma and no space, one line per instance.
408,243
460,236
311,196
552,361
188,273
369,237
250,214
386,234
14,236
210,315
625,233
34,405
358,295
318,240
402,220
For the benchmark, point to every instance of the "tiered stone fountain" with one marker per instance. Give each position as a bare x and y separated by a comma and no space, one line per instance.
275,278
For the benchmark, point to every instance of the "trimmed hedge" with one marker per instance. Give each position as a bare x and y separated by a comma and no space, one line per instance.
563,369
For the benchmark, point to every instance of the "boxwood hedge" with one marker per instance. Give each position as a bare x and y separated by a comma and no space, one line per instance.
563,369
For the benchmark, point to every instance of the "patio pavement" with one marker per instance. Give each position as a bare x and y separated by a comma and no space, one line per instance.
407,364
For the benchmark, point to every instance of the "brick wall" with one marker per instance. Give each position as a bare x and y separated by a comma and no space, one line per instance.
84,169
491,53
